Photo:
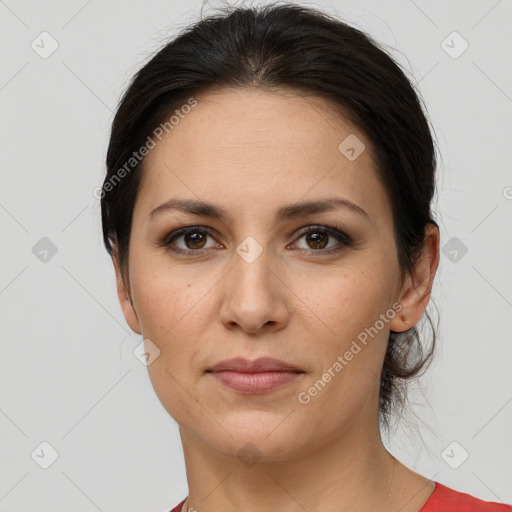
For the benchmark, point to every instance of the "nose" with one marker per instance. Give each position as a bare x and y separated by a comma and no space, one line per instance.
254,296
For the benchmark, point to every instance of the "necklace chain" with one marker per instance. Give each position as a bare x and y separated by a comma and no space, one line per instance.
391,478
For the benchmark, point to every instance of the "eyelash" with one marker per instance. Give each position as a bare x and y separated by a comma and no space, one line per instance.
343,238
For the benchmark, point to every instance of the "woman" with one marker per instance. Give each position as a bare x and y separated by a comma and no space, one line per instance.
267,207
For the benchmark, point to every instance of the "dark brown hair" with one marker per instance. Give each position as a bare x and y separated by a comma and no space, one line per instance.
287,46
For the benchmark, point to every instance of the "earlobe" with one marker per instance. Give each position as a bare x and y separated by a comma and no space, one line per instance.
123,295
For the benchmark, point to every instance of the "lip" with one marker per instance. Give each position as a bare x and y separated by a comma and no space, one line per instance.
259,376
262,364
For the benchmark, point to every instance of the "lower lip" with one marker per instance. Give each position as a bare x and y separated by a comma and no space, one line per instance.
254,382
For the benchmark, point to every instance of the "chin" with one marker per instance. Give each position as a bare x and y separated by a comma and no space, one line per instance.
254,436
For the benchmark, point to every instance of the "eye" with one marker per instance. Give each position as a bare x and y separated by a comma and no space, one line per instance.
189,240
319,238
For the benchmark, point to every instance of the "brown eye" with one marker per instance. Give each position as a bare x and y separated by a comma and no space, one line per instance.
194,240
324,240
317,240
189,240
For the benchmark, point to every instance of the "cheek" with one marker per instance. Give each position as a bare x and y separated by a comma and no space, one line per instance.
347,299
349,358
350,304
168,299
169,307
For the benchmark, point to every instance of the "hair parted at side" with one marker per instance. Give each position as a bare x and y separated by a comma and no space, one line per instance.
283,46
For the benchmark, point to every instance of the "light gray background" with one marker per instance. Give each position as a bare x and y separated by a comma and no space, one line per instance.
67,372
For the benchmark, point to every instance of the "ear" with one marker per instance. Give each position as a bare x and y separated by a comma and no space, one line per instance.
123,294
415,293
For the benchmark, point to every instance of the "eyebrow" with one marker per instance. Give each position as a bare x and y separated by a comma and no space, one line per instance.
196,207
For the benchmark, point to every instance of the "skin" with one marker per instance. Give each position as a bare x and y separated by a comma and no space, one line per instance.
250,152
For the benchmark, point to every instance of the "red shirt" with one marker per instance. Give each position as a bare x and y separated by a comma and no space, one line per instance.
444,499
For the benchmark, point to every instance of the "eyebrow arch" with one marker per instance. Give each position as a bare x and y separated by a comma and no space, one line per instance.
195,207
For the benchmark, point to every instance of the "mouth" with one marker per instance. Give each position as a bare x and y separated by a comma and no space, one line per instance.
259,376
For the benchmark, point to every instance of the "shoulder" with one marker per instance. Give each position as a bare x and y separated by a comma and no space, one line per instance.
444,499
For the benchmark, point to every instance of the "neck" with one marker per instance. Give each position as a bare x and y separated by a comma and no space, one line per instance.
354,472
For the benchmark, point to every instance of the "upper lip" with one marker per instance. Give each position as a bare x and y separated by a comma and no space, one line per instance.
260,365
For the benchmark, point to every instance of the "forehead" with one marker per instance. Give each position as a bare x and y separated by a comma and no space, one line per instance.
281,125
251,147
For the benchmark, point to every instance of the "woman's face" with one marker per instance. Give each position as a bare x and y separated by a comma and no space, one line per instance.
255,283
